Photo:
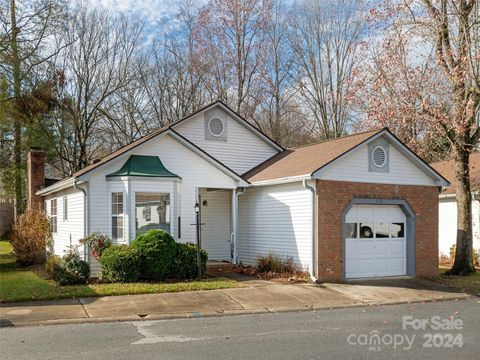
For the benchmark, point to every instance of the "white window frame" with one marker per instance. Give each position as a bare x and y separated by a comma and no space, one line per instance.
65,208
122,215
54,217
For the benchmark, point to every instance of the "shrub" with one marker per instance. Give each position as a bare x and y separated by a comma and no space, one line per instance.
31,233
156,249
185,261
52,260
97,243
275,264
120,263
71,270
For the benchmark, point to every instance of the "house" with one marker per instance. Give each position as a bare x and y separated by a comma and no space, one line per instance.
447,230
6,211
360,206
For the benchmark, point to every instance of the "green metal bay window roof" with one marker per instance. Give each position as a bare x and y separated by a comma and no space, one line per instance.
142,165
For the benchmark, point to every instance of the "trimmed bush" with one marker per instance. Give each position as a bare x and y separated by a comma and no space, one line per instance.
52,260
71,270
185,261
31,233
157,250
120,263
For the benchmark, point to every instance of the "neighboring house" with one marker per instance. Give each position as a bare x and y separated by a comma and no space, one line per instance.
447,230
359,206
6,211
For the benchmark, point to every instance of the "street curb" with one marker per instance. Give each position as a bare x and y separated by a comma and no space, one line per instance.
207,314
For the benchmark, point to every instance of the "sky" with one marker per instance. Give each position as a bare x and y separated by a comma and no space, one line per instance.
151,11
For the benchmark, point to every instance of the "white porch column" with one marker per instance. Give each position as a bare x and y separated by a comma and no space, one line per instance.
234,213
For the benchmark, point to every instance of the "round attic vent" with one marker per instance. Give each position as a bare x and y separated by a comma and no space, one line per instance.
216,127
379,156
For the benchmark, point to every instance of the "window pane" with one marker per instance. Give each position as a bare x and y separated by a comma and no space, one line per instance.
117,228
398,230
382,230
366,230
351,230
152,211
65,208
117,203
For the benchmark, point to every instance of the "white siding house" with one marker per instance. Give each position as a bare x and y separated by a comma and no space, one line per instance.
254,197
447,215
447,235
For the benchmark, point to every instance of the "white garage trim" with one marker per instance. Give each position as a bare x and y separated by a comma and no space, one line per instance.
409,233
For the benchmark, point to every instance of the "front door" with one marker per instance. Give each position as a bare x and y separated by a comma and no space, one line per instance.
216,219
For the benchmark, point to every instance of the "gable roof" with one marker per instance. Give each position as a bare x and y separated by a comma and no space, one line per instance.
143,165
178,137
447,170
307,161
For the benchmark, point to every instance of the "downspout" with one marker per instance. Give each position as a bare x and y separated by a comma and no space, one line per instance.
85,218
314,230
235,223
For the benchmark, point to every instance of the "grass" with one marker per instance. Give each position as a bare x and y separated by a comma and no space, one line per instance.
468,284
26,284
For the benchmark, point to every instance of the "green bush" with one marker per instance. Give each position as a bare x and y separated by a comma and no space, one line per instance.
71,270
52,260
120,263
185,261
156,249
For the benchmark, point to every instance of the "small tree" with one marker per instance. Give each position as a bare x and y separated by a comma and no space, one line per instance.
31,233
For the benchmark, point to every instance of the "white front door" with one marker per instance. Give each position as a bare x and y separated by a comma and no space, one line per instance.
216,216
375,241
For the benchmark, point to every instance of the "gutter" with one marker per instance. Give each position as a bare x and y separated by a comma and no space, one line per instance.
86,216
475,196
61,185
284,180
313,270
236,195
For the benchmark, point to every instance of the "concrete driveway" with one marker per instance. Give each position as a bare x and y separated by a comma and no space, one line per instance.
256,296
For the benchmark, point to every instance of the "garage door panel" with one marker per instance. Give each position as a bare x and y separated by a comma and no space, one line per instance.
398,265
379,252
398,247
382,248
382,266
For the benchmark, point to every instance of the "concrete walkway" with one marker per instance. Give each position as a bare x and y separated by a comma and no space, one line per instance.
256,296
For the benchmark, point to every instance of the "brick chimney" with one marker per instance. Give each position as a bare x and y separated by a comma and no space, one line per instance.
35,176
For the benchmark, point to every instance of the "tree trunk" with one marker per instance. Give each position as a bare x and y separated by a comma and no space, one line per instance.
463,264
17,124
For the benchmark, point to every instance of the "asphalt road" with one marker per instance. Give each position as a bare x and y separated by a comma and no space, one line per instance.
439,330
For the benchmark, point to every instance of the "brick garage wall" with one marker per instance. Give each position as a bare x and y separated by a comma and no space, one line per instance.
333,198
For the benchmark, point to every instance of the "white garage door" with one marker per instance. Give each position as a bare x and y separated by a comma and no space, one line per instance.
375,241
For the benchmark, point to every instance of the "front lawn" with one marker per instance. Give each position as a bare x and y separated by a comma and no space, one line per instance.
26,284
468,284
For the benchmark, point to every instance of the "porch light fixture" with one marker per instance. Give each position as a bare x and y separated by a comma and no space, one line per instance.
197,208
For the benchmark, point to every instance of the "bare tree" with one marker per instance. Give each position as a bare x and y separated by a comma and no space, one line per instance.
230,46
97,68
26,29
446,92
325,38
